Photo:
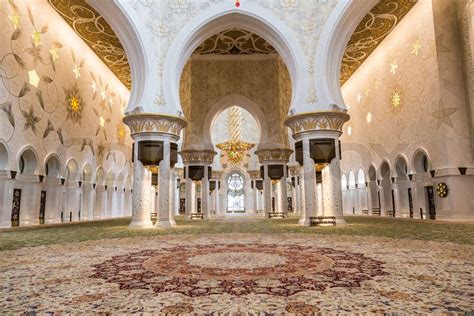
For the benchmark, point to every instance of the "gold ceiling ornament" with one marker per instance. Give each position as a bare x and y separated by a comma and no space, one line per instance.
155,123
396,100
235,148
321,120
235,42
97,33
198,156
370,32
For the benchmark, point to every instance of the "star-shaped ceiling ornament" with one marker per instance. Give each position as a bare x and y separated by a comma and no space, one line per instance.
443,115
77,71
16,20
393,67
54,51
416,47
33,77
36,36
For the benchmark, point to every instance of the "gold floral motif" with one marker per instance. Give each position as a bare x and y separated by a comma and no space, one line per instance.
235,42
74,106
323,120
370,32
156,123
97,33
274,154
198,155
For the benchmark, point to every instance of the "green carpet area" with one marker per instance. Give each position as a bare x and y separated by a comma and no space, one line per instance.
356,226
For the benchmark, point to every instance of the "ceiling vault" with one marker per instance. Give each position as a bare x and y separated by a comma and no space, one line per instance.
98,34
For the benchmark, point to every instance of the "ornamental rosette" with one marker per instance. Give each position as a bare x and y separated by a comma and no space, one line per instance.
74,104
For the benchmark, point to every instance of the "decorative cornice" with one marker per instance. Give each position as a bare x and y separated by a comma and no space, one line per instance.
198,156
97,33
154,123
269,155
316,121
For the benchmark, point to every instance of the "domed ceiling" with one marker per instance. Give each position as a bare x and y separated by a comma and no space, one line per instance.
97,33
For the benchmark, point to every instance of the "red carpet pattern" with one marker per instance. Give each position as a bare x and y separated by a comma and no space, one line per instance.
239,274
237,269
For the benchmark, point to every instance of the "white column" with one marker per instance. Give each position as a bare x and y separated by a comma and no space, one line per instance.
205,193
189,194
267,192
283,193
309,185
6,199
165,213
141,195
332,190
173,194
255,195
217,201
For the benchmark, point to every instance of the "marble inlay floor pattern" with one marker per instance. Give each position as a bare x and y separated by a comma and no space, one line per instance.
239,273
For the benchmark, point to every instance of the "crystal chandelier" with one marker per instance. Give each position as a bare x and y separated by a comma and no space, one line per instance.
235,148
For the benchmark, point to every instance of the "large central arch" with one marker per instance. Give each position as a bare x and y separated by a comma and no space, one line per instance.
252,18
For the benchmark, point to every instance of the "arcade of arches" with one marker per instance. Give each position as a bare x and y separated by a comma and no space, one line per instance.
201,111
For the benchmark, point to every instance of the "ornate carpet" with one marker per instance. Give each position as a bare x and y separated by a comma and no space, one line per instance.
239,274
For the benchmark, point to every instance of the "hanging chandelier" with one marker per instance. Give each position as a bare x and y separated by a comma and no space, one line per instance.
235,148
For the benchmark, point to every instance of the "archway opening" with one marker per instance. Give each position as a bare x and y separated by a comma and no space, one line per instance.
28,163
235,193
52,168
386,190
421,162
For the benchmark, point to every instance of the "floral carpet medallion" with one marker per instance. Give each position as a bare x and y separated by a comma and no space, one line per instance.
237,269
239,274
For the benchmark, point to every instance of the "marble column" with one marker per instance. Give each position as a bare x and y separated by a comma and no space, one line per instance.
159,128
332,189
284,193
205,193
189,194
200,158
6,199
141,201
267,192
320,125
309,179
165,213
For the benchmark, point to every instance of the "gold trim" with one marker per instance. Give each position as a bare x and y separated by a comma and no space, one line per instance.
206,156
155,123
269,155
317,121
98,35
370,32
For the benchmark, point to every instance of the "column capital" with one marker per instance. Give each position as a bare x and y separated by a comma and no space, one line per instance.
254,174
274,155
317,121
198,156
155,123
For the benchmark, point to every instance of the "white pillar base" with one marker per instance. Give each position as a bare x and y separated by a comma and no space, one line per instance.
145,224
165,224
304,222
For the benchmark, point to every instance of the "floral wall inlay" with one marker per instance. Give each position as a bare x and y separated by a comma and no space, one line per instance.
53,89
396,99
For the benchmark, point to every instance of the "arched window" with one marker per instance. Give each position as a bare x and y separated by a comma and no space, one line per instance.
235,193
